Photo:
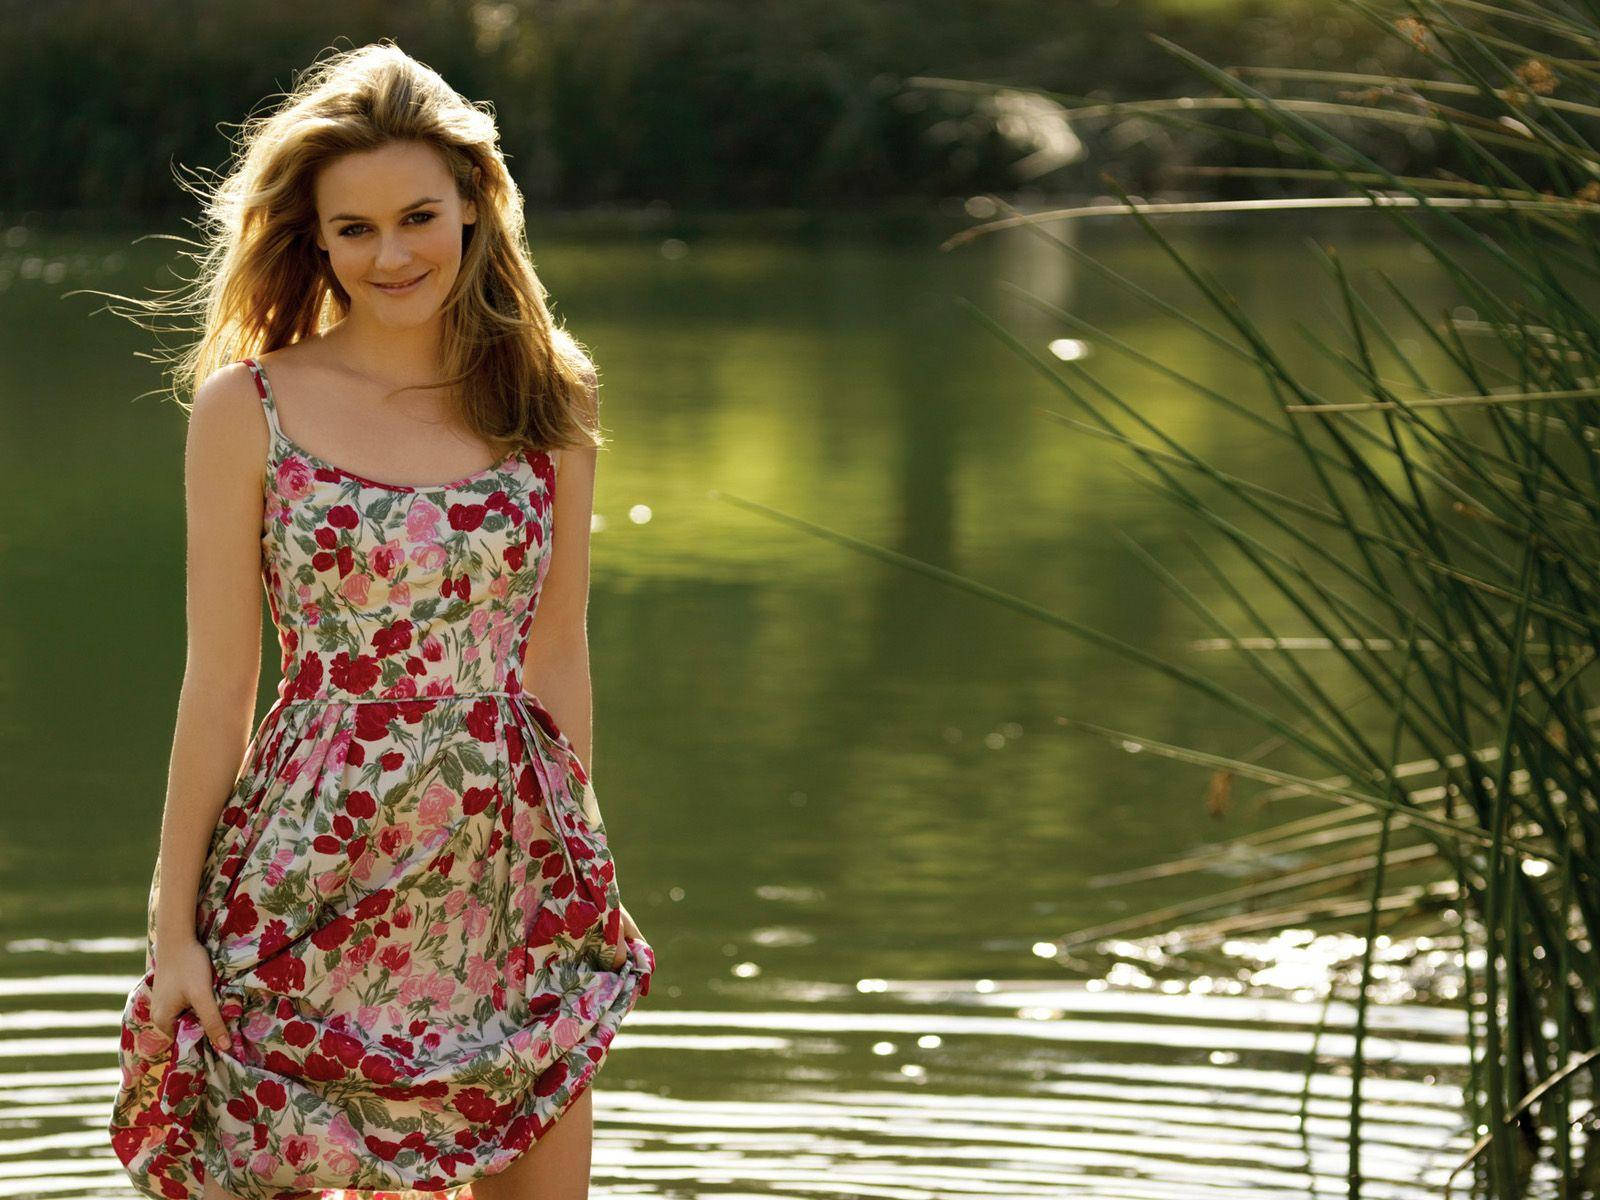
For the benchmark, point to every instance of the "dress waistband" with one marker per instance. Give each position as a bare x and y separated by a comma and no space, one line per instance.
398,699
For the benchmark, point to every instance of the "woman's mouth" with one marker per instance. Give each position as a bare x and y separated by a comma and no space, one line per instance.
394,289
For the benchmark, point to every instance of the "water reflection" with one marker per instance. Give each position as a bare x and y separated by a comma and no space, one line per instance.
896,1088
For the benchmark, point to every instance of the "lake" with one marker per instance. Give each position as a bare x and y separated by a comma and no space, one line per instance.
842,809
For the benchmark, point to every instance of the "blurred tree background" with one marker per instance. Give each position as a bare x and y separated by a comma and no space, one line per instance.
693,104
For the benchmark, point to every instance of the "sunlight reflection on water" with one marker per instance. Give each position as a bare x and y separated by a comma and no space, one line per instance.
905,1089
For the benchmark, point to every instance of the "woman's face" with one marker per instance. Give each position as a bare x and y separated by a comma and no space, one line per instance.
392,216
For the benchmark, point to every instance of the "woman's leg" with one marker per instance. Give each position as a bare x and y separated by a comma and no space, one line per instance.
556,1167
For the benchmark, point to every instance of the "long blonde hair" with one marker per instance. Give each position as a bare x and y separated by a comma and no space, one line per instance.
263,283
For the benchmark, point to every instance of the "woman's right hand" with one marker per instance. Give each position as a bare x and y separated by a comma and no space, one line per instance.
183,979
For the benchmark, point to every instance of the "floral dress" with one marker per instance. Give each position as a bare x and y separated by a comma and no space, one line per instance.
410,906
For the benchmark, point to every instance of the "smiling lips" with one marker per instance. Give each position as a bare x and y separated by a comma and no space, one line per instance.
400,287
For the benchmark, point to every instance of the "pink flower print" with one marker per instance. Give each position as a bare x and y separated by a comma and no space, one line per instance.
150,1042
478,622
340,1161
263,1164
400,595
499,640
454,902
566,1031
387,558
343,1134
293,478
422,520
430,556
356,587
476,868
413,987
436,805
588,1006
528,901
481,975
259,1025
475,917
339,978
438,929
499,586
339,749
278,868
368,1015
441,989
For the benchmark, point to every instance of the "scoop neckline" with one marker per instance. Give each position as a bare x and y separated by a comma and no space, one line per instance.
450,485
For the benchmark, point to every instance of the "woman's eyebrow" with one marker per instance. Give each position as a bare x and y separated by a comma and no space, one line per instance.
403,211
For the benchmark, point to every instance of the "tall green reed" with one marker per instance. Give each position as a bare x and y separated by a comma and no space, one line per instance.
1444,552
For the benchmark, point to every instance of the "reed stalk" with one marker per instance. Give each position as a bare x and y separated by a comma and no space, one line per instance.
1448,517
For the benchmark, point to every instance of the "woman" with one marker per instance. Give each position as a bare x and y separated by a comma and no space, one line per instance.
387,953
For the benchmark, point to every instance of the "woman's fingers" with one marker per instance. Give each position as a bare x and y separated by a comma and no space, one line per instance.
161,1020
211,1021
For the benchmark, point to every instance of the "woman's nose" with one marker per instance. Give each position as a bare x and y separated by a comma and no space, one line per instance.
392,253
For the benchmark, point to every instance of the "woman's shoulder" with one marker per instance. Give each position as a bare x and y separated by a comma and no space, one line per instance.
226,416
228,394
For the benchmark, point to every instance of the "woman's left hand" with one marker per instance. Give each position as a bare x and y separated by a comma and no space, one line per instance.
630,929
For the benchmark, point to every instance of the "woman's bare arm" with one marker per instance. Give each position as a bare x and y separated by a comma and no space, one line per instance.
555,665
224,455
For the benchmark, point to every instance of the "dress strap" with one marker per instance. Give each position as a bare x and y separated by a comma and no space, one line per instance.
264,389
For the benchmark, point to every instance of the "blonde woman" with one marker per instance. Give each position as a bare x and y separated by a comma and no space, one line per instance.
387,950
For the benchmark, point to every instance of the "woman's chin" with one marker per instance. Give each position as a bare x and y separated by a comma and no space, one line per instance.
390,317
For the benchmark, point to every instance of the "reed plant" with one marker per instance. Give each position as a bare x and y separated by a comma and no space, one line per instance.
1440,560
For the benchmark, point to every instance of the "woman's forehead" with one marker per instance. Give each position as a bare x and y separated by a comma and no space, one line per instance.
388,181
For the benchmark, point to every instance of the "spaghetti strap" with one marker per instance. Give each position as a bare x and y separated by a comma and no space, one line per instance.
264,390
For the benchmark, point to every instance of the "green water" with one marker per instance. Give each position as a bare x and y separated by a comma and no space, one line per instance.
842,810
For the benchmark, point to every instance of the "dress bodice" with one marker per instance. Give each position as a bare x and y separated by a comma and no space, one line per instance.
394,591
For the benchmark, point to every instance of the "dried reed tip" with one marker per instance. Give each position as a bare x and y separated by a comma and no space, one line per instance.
1219,793
1416,31
1537,74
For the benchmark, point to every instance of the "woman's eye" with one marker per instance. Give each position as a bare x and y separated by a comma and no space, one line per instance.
426,217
